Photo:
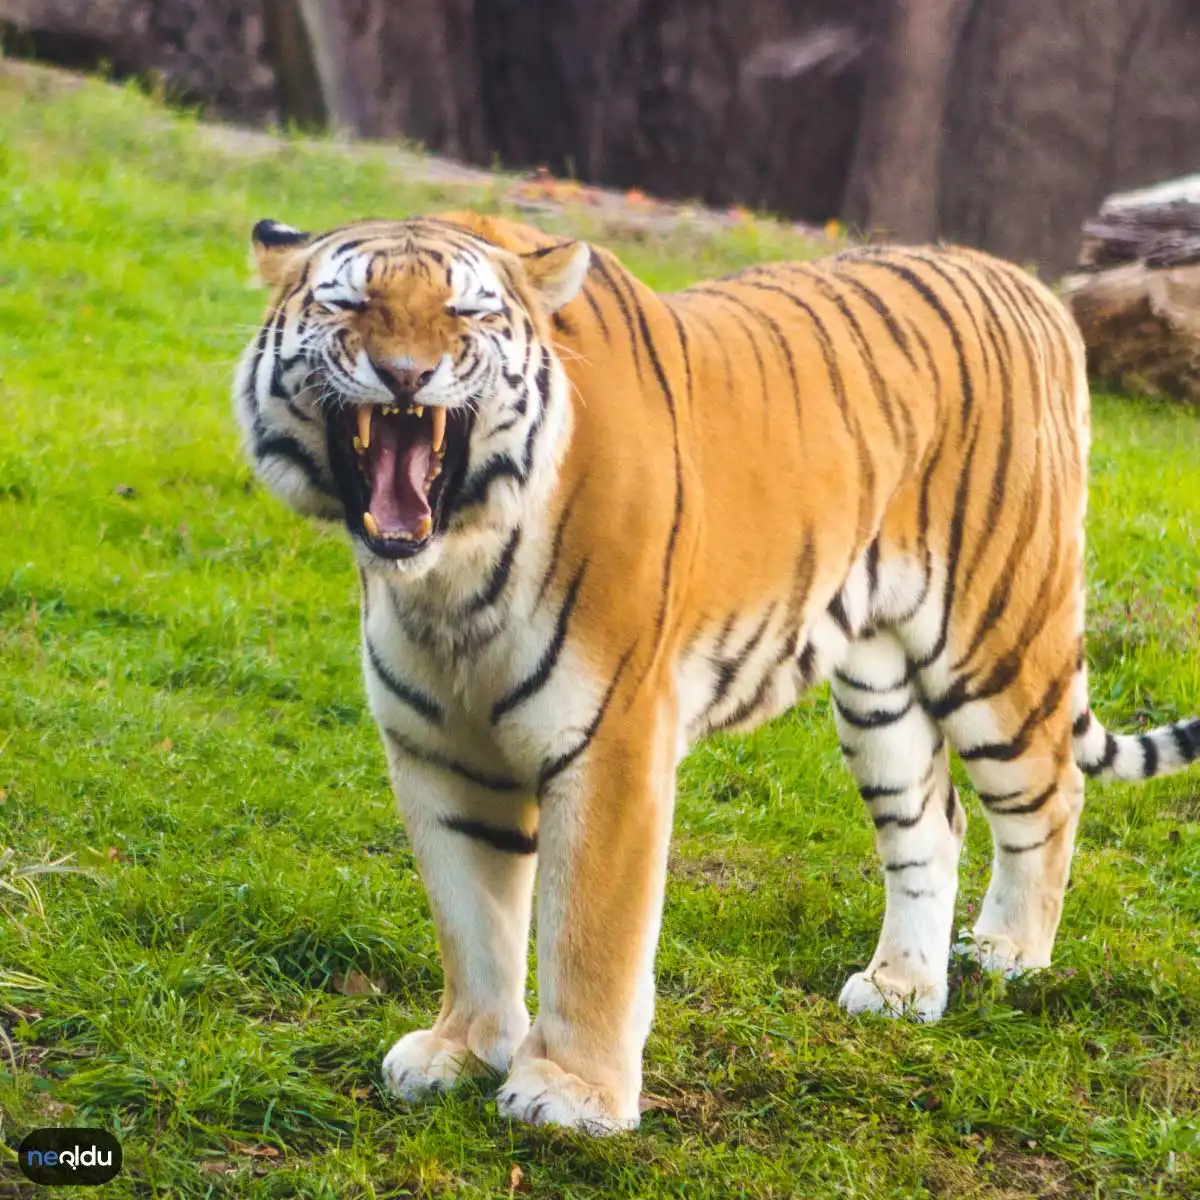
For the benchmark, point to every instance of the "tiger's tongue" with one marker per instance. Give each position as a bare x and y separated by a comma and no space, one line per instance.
399,502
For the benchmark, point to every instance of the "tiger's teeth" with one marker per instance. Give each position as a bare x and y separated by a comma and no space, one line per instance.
418,410
439,429
370,524
424,527
358,446
364,426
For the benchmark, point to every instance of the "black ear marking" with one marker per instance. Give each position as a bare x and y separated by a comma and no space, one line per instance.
274,234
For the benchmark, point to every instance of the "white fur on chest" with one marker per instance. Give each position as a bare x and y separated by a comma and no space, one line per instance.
500,686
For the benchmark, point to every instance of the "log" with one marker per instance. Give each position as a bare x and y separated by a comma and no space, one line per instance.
1136,295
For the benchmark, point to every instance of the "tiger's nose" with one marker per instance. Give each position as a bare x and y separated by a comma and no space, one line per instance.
402,382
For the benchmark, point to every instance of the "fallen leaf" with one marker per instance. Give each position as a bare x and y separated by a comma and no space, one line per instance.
255,1151
355,983
360,1093
218,1166
517,1181
166,745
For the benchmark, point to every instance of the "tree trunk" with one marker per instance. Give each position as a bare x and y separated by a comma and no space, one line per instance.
893,182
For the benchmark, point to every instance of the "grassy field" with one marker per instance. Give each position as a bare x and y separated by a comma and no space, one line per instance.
181,712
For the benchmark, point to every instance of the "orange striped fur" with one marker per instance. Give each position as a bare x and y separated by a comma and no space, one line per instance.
656,516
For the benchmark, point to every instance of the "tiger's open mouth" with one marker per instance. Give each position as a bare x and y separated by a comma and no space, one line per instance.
399,468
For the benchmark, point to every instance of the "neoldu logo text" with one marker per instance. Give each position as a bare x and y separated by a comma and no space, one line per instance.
54,1157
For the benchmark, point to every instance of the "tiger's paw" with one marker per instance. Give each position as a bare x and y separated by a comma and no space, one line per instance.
996,952
421,1064
540,1092
876,992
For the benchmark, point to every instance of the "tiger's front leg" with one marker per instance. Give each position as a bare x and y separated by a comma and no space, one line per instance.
605,829
476,850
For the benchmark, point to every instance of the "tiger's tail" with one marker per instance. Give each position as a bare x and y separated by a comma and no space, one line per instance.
1134,757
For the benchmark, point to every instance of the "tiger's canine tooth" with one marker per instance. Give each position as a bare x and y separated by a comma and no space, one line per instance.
424,527
418,410
439,429
370,524
364,426
358,446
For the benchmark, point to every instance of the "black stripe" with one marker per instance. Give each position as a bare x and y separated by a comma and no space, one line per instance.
622,305
837,610
837,382
768,323
556,546
283,445
728,667
938,265
996,496
885,819
673,536
932,299
806,662
1149,756
681,332
540,675
909,865
877,719
951,805
823,340
1187,739
1035,805
871,792
493,783
509,841
557,765
749,705
1110,754
874,688
825,285
1007,751
476,488
872,569
884,313
499,577
954,550
417,701
1034,845
1082,723
597,311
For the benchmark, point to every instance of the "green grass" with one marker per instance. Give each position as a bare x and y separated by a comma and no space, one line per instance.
181,710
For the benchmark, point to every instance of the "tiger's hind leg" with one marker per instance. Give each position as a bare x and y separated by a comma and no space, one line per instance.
898,756
1018,753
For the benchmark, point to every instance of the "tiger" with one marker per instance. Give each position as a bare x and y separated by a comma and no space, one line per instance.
593,524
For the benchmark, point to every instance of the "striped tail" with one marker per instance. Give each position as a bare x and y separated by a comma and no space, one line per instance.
1162,751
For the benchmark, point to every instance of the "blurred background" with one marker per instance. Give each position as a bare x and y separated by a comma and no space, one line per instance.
1001,123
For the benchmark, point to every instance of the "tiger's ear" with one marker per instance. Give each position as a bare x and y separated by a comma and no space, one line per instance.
275,246
556,273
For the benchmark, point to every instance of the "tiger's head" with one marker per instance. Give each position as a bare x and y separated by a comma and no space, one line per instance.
403,380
